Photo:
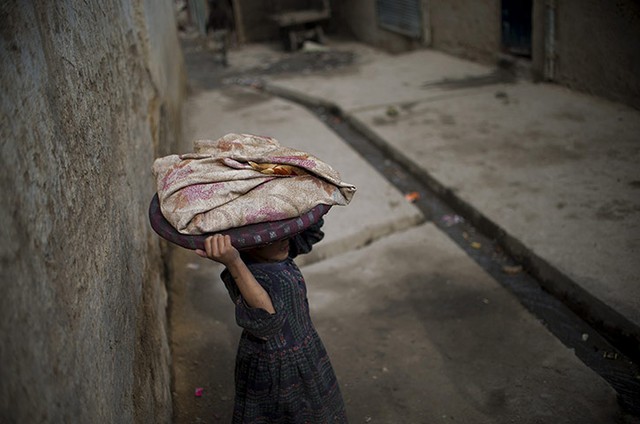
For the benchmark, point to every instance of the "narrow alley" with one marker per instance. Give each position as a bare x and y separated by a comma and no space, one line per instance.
485,270
419,331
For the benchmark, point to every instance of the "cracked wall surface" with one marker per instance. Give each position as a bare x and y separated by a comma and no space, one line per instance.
91,94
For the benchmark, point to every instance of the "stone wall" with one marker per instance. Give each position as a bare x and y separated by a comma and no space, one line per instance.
91,94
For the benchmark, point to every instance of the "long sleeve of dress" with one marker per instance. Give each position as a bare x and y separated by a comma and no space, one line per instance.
303,243
257,321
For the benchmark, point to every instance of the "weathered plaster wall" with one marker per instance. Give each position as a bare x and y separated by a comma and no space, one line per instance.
598,48
91,93
467,28
256,21
596,42
361,19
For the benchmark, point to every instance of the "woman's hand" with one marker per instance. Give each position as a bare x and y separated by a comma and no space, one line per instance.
219,249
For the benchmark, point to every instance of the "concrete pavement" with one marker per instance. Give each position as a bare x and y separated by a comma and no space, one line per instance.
553,173
420,334
417,332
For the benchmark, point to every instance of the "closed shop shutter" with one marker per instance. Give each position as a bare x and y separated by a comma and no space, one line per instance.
403,16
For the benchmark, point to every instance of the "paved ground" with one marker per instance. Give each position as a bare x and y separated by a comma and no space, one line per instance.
556,171
418,333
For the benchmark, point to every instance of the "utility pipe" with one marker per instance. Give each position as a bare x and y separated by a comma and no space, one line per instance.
550,41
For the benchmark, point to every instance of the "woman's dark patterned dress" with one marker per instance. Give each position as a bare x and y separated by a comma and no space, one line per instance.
283,373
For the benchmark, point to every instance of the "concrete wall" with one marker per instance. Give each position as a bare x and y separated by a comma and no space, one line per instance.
91,93
467,28
598,48
596,42
256,25
361,20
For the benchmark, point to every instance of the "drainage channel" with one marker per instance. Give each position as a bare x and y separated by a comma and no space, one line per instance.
592,348
589,346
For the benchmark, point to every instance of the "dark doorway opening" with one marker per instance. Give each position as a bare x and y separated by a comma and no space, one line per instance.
516,27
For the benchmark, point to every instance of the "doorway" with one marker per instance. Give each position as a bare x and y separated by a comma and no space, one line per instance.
516,27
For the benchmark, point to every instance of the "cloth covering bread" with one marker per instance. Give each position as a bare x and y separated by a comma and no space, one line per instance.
243,179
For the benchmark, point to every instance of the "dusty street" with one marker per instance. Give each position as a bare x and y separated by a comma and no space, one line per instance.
417,331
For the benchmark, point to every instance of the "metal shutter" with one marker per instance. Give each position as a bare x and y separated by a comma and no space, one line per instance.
403,16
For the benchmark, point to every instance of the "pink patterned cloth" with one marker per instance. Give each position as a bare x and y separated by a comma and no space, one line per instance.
216,188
